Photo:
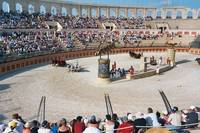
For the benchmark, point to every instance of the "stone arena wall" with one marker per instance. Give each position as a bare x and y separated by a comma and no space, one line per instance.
16,64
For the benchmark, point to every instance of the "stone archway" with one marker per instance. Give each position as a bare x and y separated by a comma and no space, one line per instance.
169,14
74,12
18,8
63,11
5,7
139,13
158,14
130,15
112,12
53,10
189,14
31,9
199,14
178,14
94,12
84,12
42,9
149,13
121,13
103,12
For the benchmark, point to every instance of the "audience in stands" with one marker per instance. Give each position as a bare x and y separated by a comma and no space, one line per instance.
127,124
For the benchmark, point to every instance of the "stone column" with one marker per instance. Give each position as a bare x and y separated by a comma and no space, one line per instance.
154,13
97,11
58,8
12,6
48,7
107,13
134,12
163,13
184,14
1,2
89,11
194,14
126,12
36,6
79,10
117,12
69,10
144,13
174,13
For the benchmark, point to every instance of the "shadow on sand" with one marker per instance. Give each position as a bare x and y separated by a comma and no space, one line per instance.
182,62
20,70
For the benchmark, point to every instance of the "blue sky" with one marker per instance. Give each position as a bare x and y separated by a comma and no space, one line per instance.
155,3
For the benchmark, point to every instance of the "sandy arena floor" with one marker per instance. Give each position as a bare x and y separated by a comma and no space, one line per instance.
72,94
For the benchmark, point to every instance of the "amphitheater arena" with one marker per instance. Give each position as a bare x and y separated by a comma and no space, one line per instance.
26,78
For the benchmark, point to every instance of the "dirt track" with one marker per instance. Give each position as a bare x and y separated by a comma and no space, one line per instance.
72,94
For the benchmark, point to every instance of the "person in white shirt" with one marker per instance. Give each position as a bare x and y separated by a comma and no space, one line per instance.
45,128
175,117
151,118
92,126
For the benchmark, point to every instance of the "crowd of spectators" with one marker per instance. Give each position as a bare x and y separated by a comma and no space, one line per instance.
126,23
27,42
24,20
131,123
38,41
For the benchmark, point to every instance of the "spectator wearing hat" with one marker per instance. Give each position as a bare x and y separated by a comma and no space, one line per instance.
26,128
45,127
63,128
125,127
79,125
20,122
11,127
92,126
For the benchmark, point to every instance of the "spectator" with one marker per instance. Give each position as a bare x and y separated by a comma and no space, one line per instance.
12,127
63,128
92,126
151,118
20,122
79,125
26,128
139,121
115,120
125,127
45,127
54,127
175,117
34,127
109,125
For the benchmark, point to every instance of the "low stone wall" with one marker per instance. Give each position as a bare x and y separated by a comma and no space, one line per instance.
15,64
195,51
148,73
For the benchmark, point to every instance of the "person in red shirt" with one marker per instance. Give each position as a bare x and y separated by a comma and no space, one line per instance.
79,125
128,128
